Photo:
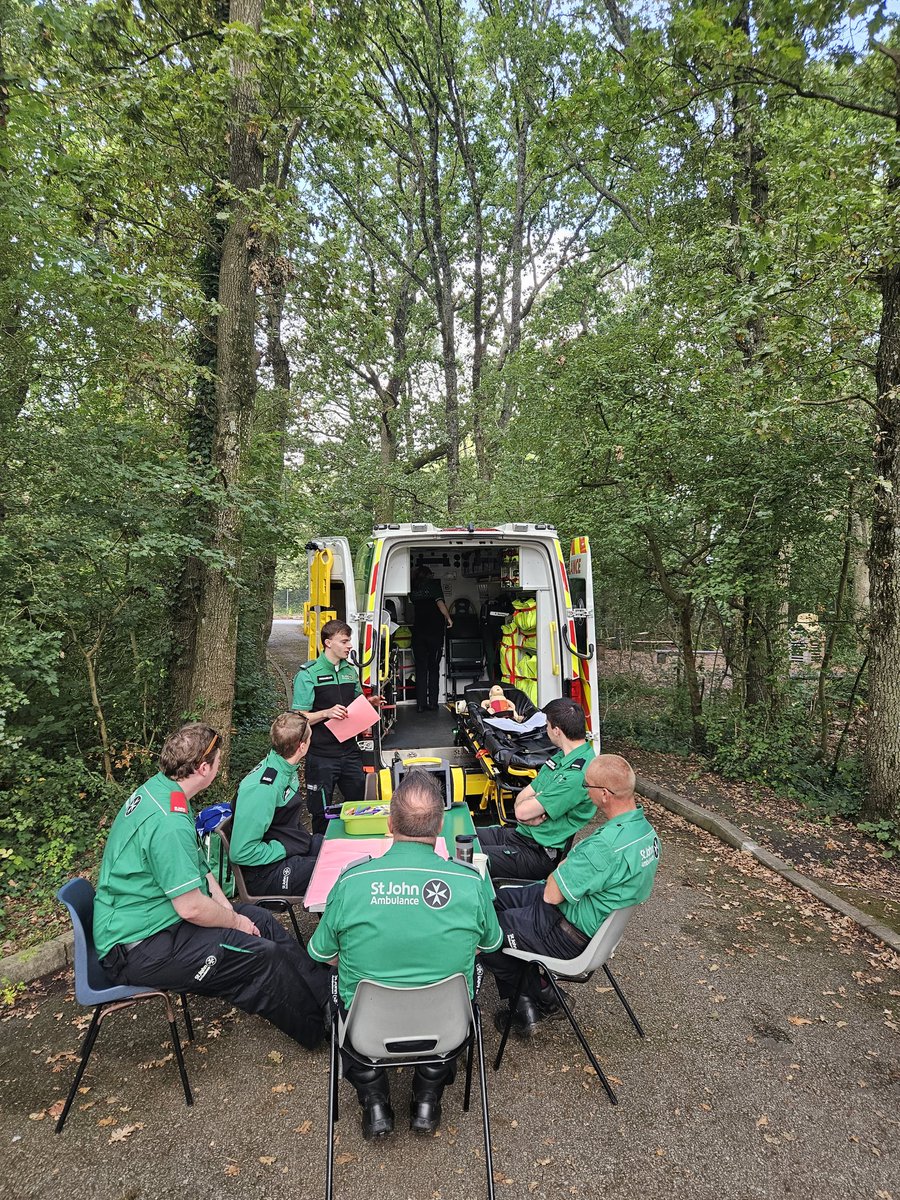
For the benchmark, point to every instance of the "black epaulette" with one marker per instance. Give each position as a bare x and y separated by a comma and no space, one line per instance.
269,775
577,763
357,862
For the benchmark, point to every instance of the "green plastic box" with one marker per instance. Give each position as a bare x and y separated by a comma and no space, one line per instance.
365,820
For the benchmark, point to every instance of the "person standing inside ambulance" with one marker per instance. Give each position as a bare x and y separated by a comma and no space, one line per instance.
432,619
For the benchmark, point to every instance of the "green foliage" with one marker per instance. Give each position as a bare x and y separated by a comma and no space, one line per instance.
886,832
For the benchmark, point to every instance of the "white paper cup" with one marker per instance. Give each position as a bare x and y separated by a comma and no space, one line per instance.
480,862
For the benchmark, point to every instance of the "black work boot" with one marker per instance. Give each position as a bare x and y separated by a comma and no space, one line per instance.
374,1096
425,1104
526,1017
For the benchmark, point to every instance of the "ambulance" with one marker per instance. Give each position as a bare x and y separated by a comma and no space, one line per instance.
523,615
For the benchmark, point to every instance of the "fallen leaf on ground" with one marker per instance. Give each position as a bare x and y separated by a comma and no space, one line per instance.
36,1116
343,1159
267,1159
763,1120
305,1127
232,1169
276,1056
119,1135
55,1109
107,1120
800,1020
281,1088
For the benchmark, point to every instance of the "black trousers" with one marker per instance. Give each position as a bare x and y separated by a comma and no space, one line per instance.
427,651
287,877
324,774
516,856
271,975
528,923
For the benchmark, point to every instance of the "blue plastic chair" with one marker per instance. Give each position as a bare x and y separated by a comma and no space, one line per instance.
93,988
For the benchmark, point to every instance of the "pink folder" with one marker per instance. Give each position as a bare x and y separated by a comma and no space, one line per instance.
360,715
337,853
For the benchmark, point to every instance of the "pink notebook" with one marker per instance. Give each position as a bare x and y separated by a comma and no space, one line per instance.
337,853
360,715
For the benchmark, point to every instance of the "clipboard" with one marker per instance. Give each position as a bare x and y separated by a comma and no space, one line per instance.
360,715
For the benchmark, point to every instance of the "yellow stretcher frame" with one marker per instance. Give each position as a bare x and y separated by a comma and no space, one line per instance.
317,610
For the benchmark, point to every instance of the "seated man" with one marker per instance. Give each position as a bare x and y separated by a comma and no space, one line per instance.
267,839
445,918
613,868
552,808
161,919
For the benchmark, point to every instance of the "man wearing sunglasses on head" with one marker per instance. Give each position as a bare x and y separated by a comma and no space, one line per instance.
161,919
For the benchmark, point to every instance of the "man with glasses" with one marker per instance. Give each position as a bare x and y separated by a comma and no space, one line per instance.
161,919
612,868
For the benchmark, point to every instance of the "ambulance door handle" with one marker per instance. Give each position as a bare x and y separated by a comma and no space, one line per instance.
554,661
385,634
584,657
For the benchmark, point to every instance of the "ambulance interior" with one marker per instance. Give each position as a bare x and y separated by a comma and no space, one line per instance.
506,628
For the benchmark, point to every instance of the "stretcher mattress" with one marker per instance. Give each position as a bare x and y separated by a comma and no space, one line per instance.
525,751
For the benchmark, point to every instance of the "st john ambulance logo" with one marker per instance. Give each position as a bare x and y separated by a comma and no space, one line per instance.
436,894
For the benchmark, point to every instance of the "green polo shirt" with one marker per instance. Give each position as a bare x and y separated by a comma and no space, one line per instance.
259,795
613,868
406,919
151,856
559,787
311,677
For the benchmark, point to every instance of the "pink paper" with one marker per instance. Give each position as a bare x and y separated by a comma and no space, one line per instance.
360,715
337,853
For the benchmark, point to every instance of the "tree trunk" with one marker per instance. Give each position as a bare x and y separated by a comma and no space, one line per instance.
212,685
883,742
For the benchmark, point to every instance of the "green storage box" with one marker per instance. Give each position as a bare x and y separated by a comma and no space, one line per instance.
365,820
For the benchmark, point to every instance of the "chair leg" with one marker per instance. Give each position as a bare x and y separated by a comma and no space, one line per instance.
585,1047
520,983
469,1053
485,1118
188,1023
635,1022
179,1058
294,922
86,1047
333,1083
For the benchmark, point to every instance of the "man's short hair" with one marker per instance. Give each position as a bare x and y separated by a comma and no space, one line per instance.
417,806
612,772
332,628
184,750
288,732
567,717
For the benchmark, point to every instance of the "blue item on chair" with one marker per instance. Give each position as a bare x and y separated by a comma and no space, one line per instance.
94,988
209,819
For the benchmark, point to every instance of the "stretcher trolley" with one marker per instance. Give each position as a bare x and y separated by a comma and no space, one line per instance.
509,759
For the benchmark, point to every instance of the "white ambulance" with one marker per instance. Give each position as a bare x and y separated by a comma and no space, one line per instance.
520,609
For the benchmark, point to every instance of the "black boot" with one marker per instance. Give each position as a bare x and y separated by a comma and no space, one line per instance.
425,1104
373,1091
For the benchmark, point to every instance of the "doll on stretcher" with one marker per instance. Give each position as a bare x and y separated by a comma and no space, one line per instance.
498,705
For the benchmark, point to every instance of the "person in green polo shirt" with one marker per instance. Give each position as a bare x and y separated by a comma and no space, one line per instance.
278,855
162,921
323,689
612,868
406,919
551,809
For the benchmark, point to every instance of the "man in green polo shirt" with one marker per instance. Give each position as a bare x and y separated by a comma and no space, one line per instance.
161,919
612,868
551,809
406,919
278,855
323,690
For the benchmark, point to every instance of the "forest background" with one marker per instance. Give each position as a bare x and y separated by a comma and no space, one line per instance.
270,269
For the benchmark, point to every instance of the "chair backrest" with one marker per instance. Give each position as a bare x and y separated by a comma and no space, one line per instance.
223,833
603,944
392,1022
78,897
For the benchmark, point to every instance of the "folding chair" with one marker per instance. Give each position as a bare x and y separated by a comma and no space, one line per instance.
403,1027
596,954
282,903
94,988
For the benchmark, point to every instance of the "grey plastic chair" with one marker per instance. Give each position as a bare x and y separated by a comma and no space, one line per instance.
281,903
93,988
405,1027
595,955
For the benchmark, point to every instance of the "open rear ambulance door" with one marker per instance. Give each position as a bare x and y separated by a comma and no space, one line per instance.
332,591
581,585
